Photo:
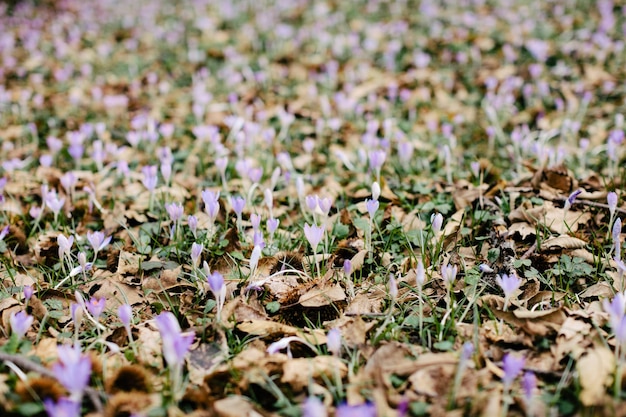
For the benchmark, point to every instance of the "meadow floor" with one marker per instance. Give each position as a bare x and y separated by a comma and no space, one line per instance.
317,208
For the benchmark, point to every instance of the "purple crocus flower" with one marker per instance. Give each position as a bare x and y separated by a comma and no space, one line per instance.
313,407
76,312
54,202
333,341
512,366
268,198
62,408
20,323
347,267
393,287
448,273
611,199
509,284
313,234
150,178
372,206
272,225
211,203
4,232
73,369
325,204
529,383
175,343
216,282
196,252
65,244
615,234
361,410
28,292
616,309
420,274
175,211
436,221
68,181
570,200
311,202
255,221
238,204
466,351
255,175
475,167
192,222
95,306
125,313
377,158
98,241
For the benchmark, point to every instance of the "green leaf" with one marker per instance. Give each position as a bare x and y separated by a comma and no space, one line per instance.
53,304
445,346
340,230
237,255
272,307
55,314
418,408
210,305
411,321
29,409
362,223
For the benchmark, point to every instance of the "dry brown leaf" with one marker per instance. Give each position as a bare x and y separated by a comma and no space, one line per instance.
354,330
273,329
454,223
523,229
596,368
242,309
202,361
432,381
235,406
358,260
364,304
319,297
599,289
496,332
299,372
557,219
563,242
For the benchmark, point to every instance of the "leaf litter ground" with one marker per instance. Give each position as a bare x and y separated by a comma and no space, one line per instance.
377,208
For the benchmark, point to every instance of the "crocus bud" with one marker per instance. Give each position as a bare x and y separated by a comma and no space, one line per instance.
192,222
28,292
436,222
611,199
333,341
347,267
375,190
269,198
300,186
393,287
420,274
